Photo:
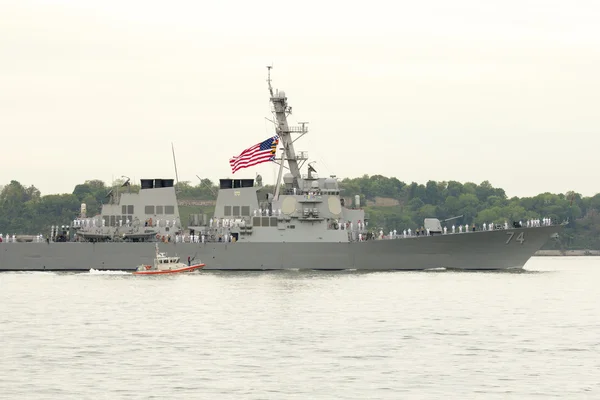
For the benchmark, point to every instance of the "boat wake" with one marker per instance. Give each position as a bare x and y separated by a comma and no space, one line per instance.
101,272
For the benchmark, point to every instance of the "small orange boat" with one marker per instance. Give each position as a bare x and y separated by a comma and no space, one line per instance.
166,265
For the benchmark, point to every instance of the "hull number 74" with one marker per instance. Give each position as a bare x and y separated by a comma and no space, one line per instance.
520,238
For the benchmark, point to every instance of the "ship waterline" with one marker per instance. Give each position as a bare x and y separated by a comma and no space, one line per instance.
480,250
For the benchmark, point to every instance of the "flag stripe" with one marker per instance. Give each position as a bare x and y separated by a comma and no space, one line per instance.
253,155
250,163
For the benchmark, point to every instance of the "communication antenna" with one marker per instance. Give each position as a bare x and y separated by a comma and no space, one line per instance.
126,183
175,164
207,186
269,78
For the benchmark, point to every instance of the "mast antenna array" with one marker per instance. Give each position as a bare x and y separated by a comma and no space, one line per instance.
269,79
175,164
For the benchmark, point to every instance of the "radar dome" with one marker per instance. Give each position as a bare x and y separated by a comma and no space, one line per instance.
330,183
281,94
314,184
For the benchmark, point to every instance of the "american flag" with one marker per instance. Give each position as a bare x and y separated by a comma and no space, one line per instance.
259,153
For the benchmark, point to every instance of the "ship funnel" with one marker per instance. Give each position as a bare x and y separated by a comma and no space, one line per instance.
357,201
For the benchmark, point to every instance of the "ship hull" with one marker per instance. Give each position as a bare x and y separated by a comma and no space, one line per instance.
487,250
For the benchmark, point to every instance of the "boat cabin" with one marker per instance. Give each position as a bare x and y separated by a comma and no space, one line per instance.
161,258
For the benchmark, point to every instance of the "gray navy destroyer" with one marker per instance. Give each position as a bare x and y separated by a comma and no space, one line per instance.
302,224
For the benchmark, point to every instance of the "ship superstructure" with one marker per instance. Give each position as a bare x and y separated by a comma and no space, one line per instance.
150,215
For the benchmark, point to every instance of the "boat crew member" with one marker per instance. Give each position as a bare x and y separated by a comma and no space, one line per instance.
189,261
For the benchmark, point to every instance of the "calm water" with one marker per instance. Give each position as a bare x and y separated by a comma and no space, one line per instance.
304,335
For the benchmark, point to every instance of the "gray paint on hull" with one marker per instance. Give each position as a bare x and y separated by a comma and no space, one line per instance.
473,250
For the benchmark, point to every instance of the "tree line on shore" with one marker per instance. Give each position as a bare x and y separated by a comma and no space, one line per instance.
24,210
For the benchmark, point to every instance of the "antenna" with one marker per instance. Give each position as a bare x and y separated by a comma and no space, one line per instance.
206,185
175,163
126,183
269,78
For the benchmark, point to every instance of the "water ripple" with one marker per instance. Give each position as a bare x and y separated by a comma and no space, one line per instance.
303,334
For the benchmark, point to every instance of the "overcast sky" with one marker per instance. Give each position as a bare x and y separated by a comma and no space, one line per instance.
506,91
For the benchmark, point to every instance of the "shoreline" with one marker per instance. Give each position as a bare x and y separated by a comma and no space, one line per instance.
568,253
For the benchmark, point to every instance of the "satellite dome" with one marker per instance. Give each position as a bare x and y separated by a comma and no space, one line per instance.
330,183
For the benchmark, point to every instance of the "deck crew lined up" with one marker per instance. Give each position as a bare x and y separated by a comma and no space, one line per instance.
357,231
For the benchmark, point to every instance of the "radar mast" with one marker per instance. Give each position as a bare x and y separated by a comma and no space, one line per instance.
281,111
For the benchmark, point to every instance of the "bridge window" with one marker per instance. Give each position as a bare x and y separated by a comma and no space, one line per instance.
149,209
159,209
227,212
256,221
129,210
236,211
123,209
274,221
265,221
169,210
245,211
